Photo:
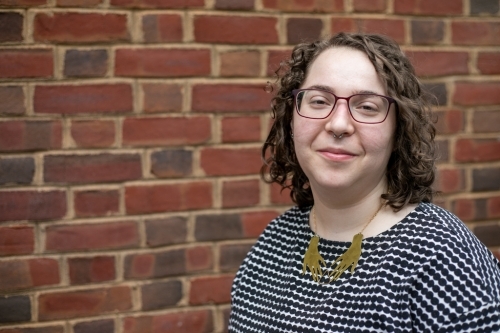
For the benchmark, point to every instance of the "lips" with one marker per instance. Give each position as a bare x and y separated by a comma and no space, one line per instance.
336,154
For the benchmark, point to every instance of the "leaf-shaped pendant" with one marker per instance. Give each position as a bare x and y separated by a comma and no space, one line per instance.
313,260
350,257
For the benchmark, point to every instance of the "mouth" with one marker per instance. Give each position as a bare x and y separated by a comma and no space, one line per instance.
335,154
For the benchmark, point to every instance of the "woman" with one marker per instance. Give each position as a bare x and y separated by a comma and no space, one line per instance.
364,249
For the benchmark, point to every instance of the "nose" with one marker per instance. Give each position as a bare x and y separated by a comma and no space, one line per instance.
340,121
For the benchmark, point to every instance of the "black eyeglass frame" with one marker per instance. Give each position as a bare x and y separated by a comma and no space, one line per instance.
295,92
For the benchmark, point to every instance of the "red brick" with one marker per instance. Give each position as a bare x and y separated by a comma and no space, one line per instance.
230,98
91,98
166,231
235,29
235,4
23,3
93,133
17,135
443,150
85,63
493,207
81,237
475,33
32,205
391,27
91,270
78,3
16,240
478,150
162,28
80,169
192,321
84,303
172,163
160,97
26,63
450,180
39,329
372,6
450,121
486,121
226,161
305,6
80,28
443,63
279,195
427,31
299,30
477,93
96,203
141,199
240,193
11,27
428,7
240,129
464,209
240,63
254,223
157,4
155,265
488,62
12,98
23,274
166,131
199,258
211,290
232,255
274,59
162,62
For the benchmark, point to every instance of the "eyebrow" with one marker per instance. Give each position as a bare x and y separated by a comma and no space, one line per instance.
326,88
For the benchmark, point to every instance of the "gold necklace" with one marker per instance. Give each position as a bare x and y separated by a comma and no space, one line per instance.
313,260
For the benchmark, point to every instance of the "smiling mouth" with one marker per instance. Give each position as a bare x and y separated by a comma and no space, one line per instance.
336,155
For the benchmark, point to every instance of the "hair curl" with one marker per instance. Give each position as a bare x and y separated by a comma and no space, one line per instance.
411,167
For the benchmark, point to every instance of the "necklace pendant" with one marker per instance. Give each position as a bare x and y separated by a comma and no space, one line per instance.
313,260
348,259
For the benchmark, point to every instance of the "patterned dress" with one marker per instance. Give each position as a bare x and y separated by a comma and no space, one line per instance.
428,273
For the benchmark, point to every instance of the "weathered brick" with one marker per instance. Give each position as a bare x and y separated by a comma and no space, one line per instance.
477,93
229,98
17,170
477,150
15,309
83,303
240,193
12,98
450,180
155,265
475,33
32,205
279,195
152,62
469,209
157,4
438,94
90,98
193,321
38,329
102,236
16,240
142,199
240,63
218,227
26,63
211,290
167,231
161,295
371,6
450,121
86,270
428,7
254,222
85,63
232,255
93,133
305,6
486,121
427,31
274,59
493,207
433,63
23,274
11,27
234,4
199,258
17,135
23,3
488,234
240,129
162,28
226,161
488,62
80,169
393,28
88,203
172,163
72,27
160,97
235,29
300,30
487,179
172,131
482,7
95,326
443,150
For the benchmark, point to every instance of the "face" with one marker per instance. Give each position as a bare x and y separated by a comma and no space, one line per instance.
353,166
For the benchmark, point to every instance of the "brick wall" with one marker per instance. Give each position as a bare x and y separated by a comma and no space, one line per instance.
130,133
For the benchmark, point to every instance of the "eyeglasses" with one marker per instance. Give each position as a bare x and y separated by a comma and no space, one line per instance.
364,108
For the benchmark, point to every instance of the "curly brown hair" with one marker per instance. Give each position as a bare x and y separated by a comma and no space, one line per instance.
411,167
